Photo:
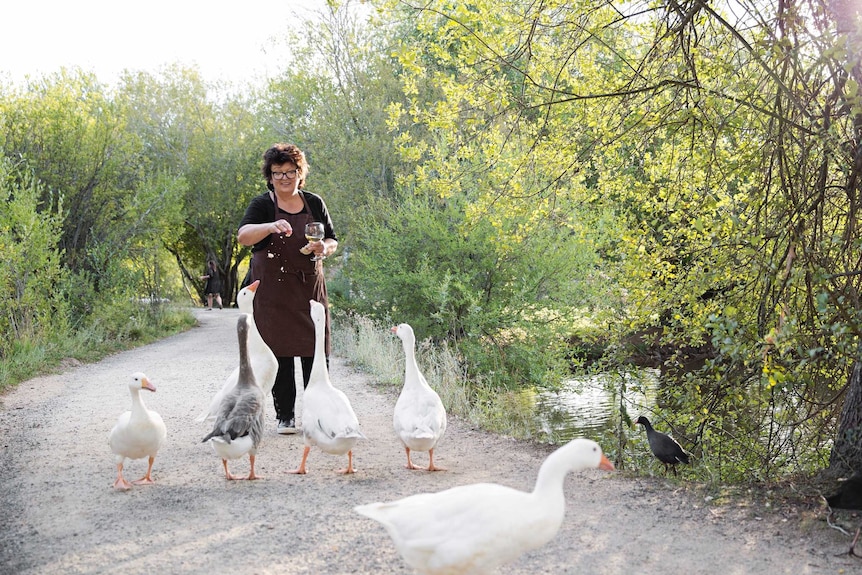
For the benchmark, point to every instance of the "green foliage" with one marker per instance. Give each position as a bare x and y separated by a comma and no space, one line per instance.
333,103
426,265
694,143
31,306
48,314
205,150
84,230
67,130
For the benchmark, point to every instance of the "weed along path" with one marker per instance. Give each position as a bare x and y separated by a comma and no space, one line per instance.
60,515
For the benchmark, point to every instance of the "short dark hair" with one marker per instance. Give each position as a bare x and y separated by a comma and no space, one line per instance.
281,154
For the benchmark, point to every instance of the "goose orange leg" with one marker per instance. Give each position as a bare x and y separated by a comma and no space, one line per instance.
431,466
251,474
301,470
121,483
350,468
228,475
146,480
409,462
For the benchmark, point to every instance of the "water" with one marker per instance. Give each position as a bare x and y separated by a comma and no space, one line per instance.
590,405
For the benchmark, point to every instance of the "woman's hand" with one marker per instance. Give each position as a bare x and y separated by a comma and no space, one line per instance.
281,227
316,248
321,248
250,234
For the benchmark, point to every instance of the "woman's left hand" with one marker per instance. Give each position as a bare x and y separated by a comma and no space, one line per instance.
316,248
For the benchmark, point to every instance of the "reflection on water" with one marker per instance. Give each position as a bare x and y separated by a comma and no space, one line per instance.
590,405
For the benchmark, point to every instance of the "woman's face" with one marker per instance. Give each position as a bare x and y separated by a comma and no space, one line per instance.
285,178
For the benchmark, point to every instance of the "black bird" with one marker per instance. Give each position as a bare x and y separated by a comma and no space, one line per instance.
848,496
663,446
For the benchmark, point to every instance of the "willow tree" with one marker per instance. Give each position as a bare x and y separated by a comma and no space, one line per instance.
722,140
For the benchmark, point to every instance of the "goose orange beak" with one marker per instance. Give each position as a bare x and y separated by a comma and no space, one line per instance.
145,384
605,464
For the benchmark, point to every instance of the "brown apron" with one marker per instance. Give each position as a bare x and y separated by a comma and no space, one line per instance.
288,280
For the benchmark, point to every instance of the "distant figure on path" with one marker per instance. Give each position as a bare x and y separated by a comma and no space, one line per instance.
213,287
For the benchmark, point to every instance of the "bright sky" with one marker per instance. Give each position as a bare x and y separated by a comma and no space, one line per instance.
232,41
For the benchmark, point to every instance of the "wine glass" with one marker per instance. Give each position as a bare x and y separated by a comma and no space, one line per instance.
314,233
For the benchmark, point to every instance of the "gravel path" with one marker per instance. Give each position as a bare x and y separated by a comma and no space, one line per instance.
59,514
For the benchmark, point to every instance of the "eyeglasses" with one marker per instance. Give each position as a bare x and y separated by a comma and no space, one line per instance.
290,174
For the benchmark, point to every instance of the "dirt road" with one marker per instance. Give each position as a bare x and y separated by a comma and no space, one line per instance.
59,514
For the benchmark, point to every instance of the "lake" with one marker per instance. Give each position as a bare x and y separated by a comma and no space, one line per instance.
590,405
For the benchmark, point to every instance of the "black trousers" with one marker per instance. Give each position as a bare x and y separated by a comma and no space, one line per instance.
284,389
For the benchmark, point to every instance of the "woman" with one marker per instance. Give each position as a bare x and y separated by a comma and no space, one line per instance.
213,287
274,225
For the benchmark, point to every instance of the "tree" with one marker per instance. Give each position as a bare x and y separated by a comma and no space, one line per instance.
211,144
67,129
32,309
70,132
332,102
722,150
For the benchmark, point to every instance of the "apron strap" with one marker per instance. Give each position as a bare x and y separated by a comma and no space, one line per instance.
318,265
308,211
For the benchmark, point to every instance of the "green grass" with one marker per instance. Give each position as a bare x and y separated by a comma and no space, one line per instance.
32,357
370,347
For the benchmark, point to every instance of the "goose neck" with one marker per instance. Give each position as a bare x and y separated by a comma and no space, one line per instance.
409,353
411,367
549,483
245,373
318,367
319,374
138,405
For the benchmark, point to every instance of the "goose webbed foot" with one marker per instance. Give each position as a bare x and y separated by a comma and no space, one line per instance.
409,461
227,474
301,469
350,469
121,484
431,466
251,474
146,479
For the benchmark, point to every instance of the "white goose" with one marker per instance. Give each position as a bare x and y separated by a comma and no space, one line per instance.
263,361
137,434
328,420
419,418
238,428
476,528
